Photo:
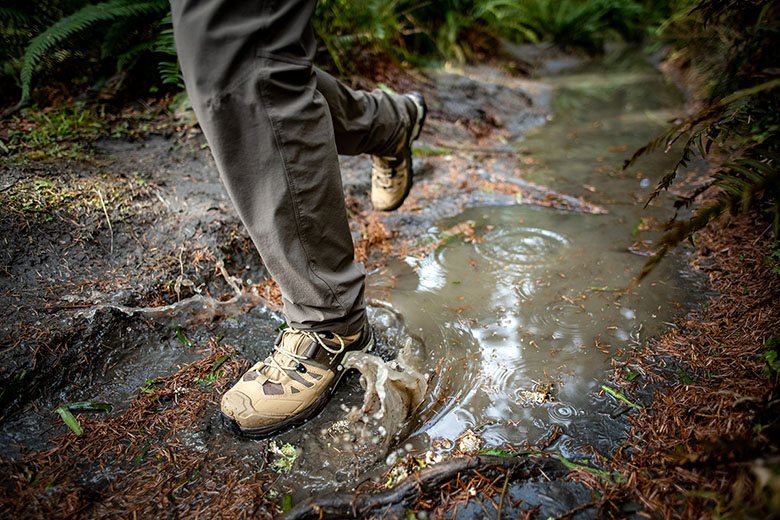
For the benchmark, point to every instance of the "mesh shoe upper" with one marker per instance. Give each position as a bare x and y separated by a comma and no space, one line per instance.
301,368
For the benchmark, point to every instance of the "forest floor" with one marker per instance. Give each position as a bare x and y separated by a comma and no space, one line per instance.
144,222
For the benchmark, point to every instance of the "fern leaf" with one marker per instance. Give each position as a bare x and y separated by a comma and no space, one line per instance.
76,23
9,14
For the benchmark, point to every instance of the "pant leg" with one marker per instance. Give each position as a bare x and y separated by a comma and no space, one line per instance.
364,122
247,68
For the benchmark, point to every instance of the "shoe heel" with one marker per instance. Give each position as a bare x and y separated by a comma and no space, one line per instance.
368,346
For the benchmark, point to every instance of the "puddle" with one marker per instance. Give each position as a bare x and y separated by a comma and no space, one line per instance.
508,330
520,319
529,305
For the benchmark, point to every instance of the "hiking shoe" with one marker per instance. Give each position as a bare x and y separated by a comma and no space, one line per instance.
391,177
292,384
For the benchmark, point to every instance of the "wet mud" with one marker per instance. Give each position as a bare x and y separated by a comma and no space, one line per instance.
498,294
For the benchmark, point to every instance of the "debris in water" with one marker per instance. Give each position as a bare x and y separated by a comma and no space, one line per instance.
469,442
543,393
404,467
287,456
337,428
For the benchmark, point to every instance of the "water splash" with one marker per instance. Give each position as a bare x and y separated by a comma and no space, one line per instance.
393,391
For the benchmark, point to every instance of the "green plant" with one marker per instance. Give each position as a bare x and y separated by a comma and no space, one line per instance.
170,72
771,350
351,29
741,118
57,133
68,418
774,257
570,24
113,21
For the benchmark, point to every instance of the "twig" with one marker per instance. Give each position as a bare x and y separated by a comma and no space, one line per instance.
110,229
503,493
573,511
484,509
359,505
6,188
231,280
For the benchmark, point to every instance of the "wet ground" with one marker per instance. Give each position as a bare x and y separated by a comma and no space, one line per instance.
501,281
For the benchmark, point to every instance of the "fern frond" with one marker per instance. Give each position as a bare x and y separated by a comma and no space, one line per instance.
682,230
76,23
747,183
9,14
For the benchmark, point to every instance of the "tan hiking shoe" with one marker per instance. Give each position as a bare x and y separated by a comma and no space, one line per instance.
292,384
391,177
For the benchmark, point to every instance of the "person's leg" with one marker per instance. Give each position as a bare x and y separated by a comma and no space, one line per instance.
382,125
247,68
364,122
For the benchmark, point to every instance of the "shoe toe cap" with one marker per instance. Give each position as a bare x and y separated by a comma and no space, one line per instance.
249,414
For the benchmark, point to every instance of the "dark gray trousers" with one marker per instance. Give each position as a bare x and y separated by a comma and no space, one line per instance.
276,125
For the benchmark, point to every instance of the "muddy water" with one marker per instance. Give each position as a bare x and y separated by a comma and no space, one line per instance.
518,318
513,323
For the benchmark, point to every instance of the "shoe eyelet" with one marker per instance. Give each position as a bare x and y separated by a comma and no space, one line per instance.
339,368
300,367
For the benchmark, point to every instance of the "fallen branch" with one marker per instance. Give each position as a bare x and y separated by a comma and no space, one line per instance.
360,505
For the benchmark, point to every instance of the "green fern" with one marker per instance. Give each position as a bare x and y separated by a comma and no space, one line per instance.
741,119
745,184
170,72
9,14
79,22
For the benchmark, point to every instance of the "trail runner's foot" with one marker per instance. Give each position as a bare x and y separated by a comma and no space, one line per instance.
391,177
292,384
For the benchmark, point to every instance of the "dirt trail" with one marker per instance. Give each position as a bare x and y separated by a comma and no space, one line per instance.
147,223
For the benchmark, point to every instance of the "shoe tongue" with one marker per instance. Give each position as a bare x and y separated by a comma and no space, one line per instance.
294,342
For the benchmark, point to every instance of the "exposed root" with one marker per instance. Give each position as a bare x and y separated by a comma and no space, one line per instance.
429,480
198,308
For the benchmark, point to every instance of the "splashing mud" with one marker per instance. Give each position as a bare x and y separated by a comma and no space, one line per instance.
393,392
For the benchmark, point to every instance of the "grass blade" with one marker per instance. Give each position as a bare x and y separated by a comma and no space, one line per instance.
69,420
620,397
182,337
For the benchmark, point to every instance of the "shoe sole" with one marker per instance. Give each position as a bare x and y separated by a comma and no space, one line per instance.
422,113
296,420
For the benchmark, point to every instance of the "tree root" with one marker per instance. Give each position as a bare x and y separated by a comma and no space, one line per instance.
361,505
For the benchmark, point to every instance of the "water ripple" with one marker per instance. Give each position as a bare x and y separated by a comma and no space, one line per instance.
562,413
522,246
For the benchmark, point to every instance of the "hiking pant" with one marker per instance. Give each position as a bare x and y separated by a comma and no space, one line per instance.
275,125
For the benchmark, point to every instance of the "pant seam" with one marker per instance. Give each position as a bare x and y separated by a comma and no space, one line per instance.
294,194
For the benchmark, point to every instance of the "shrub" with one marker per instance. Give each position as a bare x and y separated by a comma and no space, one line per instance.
735,44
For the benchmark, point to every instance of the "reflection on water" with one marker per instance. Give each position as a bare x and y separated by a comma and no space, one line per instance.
517,325
534,299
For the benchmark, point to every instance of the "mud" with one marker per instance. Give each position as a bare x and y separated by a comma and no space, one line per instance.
507,259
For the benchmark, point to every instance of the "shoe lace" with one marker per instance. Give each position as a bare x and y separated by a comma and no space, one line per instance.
385,170
295,358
